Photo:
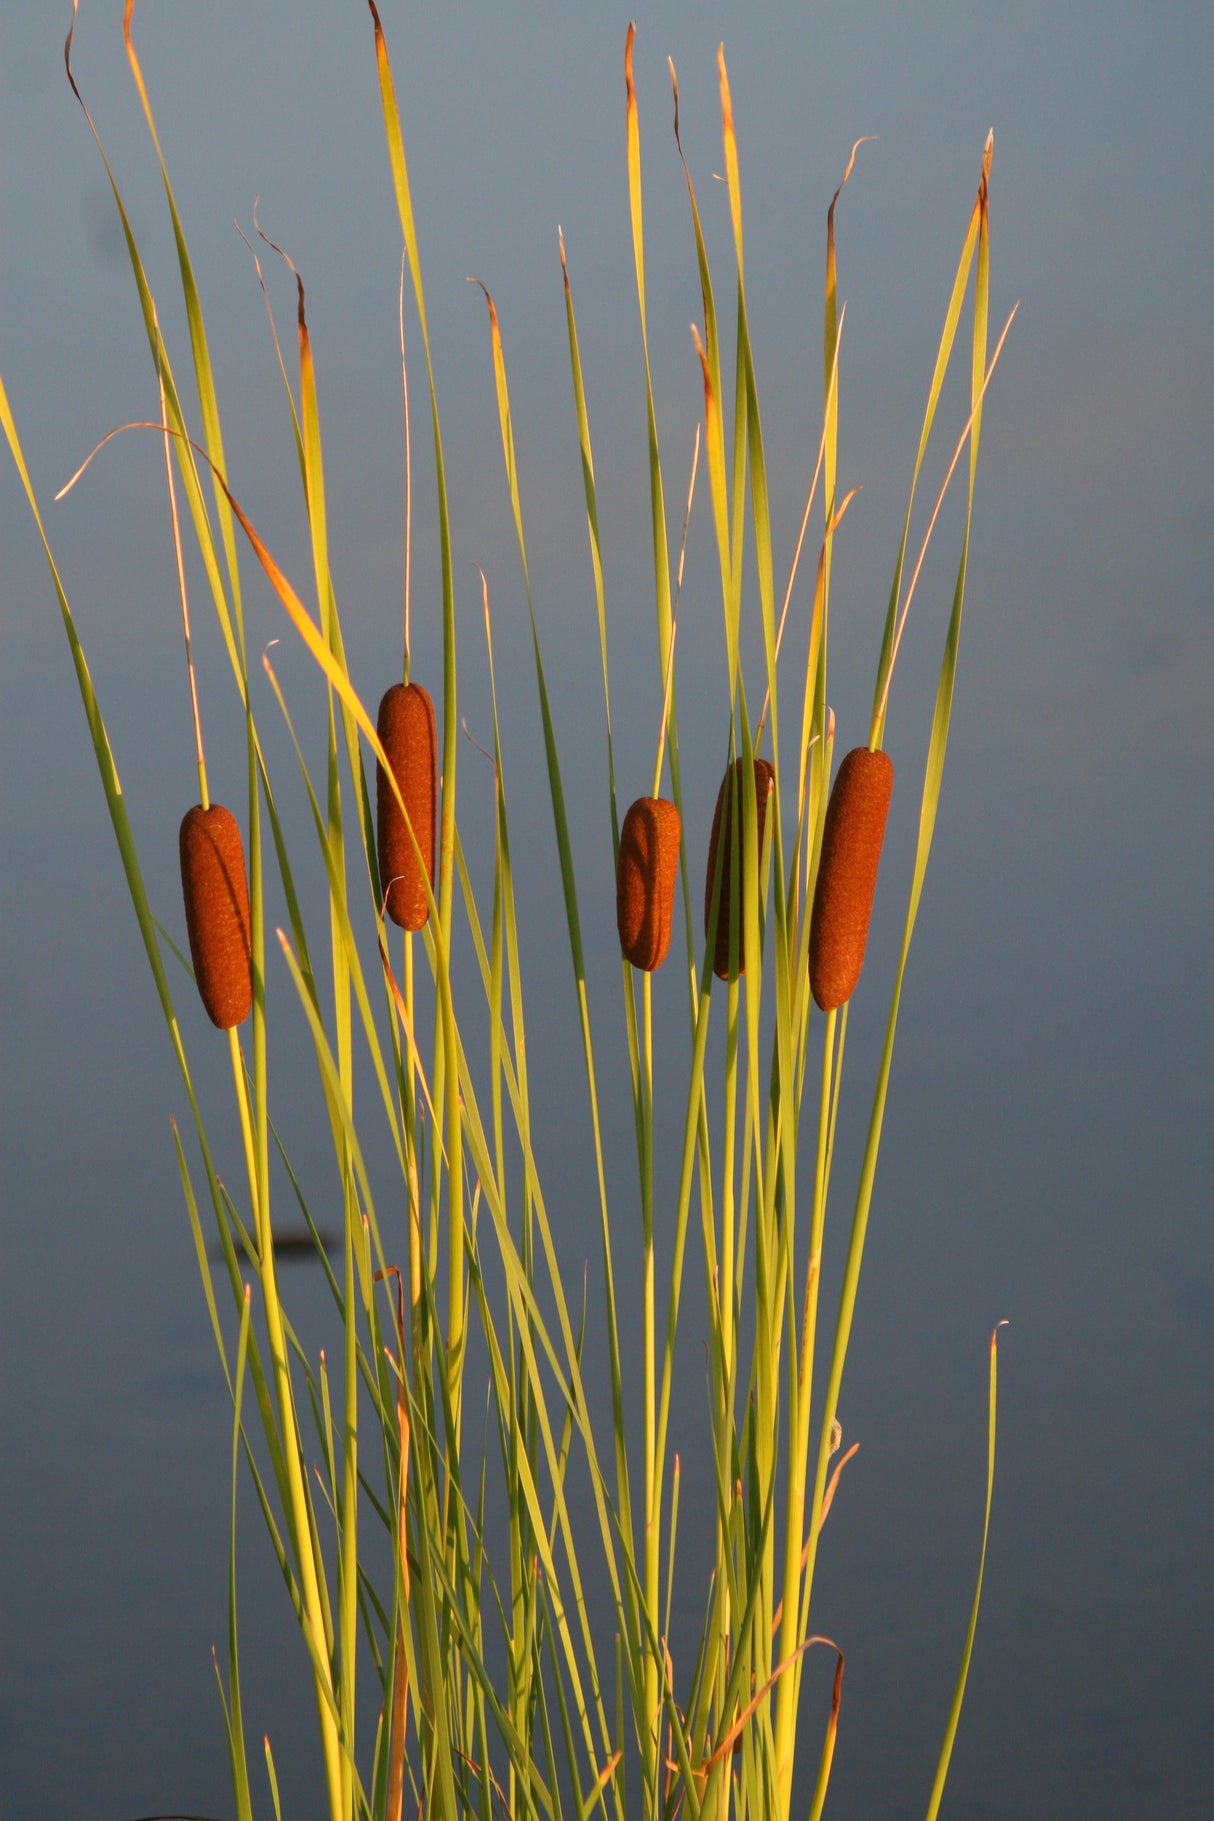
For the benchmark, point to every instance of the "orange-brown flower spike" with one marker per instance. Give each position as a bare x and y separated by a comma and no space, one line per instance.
852,835
645,880
722,823
407,734
216,897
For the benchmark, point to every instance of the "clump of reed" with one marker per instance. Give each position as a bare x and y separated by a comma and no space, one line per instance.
458,1233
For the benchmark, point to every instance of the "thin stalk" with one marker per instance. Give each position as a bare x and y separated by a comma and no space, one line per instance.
798,1451
950,1733
298,1511
404,388
200,759
653,1532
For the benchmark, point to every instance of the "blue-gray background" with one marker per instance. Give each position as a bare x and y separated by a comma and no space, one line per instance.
1047,1152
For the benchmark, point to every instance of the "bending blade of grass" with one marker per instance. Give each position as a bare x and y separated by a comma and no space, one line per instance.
954,1716
198,340
828,1746
592,525
977,226
231,625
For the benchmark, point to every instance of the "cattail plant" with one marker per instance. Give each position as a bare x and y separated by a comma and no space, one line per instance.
217,912
645,880
732,785
852,835
406,730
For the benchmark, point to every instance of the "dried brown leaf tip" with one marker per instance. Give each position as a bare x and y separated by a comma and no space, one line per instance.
852,836
722,826
645,880
407,734
217,912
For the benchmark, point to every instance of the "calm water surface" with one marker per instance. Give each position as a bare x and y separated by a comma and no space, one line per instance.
1047,1156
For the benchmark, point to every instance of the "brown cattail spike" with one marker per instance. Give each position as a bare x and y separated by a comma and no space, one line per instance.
645,879
722,824
847,874
406,733
217,912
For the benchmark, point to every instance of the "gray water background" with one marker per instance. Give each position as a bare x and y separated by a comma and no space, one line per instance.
1047,1152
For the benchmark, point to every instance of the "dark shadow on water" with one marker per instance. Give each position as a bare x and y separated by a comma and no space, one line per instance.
294,1246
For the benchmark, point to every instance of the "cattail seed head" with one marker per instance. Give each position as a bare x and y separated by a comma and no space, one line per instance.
722,824
407,734
645,880
852,835
217,912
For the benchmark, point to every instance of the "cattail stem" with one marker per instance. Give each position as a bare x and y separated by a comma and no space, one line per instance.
404,386
794,1618
668,680
652,1493
299,1519
203,796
